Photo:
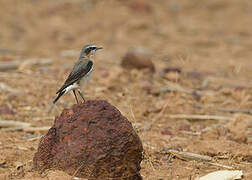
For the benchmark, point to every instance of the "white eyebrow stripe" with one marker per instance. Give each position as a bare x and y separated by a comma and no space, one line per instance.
93,46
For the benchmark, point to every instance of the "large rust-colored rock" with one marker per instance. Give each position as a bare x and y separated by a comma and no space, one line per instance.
91,140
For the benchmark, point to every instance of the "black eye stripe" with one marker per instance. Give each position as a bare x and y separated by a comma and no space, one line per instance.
88,49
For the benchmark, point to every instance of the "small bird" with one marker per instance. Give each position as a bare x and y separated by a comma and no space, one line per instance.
80,73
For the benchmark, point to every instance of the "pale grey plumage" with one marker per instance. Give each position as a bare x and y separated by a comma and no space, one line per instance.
80,73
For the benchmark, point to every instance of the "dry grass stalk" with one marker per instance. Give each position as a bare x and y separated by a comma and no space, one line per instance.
14,65
7,66
245,111
192,133
16,124
4,87
176,87
34,62
196,157
200,117
220,165
27,129
20,126
189,156
35,138
34,129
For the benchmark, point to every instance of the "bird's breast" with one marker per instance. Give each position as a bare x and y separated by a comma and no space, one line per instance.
85,78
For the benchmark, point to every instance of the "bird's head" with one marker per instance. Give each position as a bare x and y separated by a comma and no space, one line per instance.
89,50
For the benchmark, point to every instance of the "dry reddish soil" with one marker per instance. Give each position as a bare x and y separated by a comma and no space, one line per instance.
201,51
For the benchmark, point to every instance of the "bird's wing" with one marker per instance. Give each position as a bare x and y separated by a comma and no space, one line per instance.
80,69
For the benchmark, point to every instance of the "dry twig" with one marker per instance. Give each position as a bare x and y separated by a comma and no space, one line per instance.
20,126
34,129
27,129
13,65
4,87
196,157
34,138
220,165
16,124
245,111
189,155
176,87
200,117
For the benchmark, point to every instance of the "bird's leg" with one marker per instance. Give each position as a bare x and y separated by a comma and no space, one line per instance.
81,95
75,97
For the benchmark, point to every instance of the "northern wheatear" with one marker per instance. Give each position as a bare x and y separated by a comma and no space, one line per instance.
80,73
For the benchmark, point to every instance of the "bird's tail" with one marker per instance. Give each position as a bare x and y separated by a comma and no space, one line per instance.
59,95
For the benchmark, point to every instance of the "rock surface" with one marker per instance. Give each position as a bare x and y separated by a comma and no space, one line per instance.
91,140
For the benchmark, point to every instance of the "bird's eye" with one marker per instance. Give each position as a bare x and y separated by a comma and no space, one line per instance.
93,48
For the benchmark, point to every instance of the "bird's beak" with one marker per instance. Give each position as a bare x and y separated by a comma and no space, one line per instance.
99,48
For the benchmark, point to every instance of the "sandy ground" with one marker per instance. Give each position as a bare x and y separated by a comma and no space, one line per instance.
208,43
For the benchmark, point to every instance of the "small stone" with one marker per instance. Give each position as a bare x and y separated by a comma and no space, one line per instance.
185,127
140,6
91,140
171,69
171,73
195,75
166,131
4,109
146,85
3,164
238,130
138,58
172,76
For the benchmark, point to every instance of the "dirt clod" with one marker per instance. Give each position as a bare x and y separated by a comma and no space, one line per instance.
91,140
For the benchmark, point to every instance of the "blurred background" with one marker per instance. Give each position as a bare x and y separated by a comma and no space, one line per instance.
161,59
214,32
